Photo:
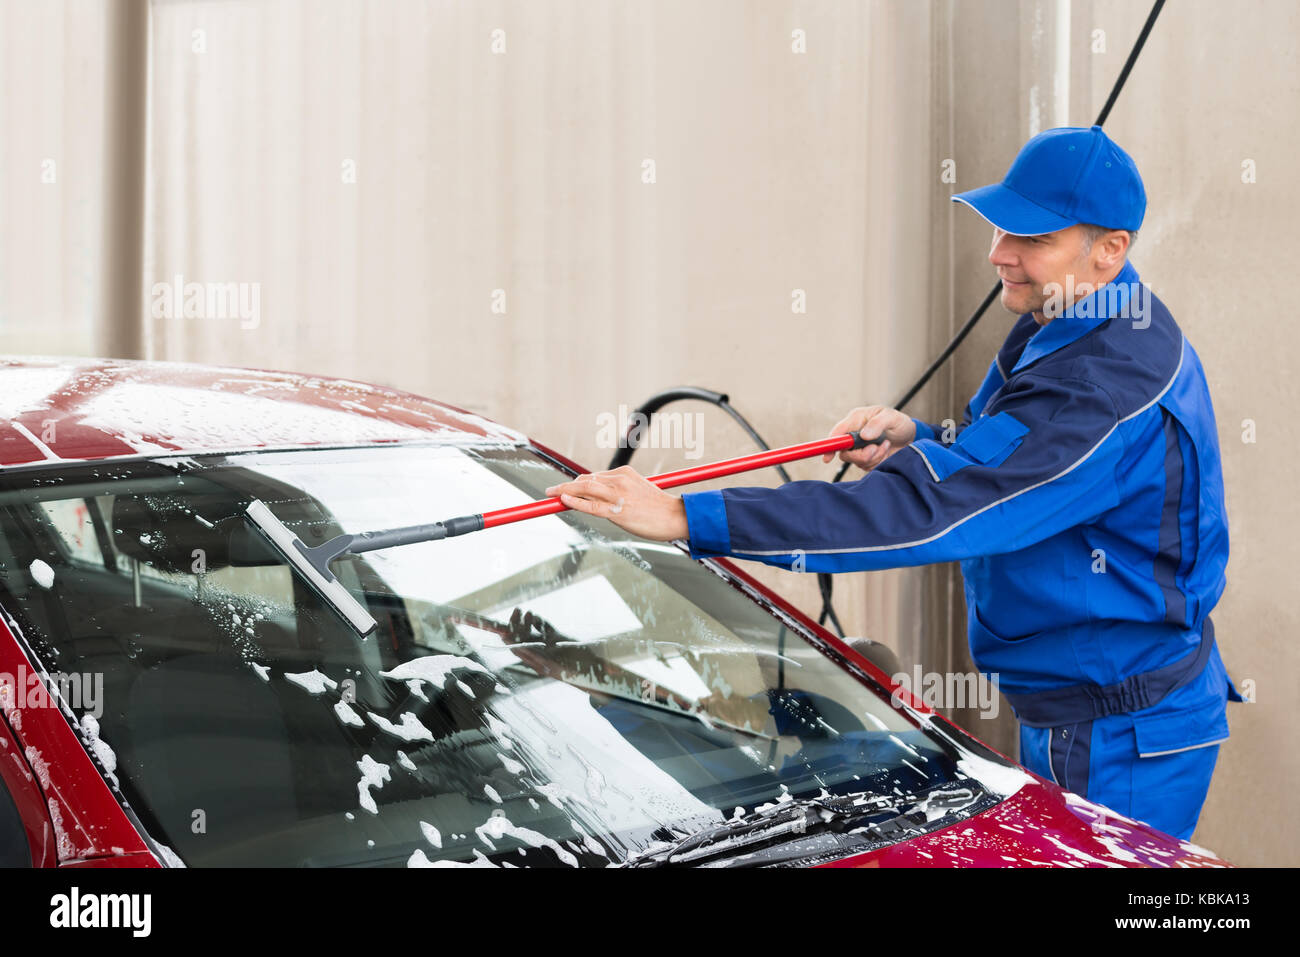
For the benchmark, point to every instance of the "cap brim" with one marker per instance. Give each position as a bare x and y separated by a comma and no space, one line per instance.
1010,212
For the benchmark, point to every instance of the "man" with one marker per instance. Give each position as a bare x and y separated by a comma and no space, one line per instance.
1082,494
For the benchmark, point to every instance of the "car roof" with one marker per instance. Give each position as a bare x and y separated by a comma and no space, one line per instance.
56,410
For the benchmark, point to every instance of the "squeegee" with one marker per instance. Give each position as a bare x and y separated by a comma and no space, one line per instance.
312,562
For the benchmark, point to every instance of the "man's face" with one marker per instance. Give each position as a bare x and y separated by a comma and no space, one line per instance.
1027,264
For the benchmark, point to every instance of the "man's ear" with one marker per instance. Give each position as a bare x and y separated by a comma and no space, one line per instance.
1110,251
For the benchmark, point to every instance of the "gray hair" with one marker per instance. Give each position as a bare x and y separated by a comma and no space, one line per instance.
1092,233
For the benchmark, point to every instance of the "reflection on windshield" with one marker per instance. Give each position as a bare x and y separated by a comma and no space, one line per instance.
548,693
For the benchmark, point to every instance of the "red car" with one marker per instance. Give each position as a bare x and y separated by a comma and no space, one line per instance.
552,692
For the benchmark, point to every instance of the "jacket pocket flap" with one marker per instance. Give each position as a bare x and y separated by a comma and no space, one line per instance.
991,438
1194,728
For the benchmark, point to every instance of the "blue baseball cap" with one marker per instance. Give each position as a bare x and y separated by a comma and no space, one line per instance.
1061,177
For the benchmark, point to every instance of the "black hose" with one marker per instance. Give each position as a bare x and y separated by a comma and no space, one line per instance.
657,401
1128,64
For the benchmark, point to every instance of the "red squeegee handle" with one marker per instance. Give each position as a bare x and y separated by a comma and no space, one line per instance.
700,473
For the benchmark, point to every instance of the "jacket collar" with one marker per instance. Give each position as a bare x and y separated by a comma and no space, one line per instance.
1081,318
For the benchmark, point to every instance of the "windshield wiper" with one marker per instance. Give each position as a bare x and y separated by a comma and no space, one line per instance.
791,820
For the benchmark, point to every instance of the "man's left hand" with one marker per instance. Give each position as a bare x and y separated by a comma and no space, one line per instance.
627,499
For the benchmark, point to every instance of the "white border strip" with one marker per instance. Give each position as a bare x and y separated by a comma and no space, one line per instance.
27,434
1190,747
913,447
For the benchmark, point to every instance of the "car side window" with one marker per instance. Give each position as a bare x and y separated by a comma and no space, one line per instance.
14,851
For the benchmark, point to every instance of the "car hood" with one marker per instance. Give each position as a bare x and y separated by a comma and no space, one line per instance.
1041,825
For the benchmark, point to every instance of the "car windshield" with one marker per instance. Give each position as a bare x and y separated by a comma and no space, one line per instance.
549,692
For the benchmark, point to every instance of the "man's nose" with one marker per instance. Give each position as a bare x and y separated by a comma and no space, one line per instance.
1000,253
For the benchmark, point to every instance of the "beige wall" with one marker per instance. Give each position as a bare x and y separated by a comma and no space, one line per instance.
52,62
775,171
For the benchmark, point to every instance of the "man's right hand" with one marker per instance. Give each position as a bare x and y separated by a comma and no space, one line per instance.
870,421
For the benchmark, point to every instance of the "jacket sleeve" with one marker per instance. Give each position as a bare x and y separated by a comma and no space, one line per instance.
1038,460
938,433
927,430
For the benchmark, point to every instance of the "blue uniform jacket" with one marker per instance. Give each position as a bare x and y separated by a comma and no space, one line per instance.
1083,496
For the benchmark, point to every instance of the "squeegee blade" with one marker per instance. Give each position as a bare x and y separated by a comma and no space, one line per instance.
331,590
